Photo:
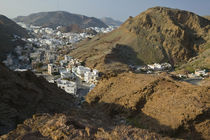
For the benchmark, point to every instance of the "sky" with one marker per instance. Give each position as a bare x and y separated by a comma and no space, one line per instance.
117,9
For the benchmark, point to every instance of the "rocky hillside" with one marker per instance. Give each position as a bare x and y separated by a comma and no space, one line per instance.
31,108
156,103
8,31
111,22
23,95
157,35
60,18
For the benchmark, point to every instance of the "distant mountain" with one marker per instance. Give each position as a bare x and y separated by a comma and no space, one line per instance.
110,21
8,30
60,18
157,35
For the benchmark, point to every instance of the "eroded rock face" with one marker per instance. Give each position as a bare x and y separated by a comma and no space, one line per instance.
156,103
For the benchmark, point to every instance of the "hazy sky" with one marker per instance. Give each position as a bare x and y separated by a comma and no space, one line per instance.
118,9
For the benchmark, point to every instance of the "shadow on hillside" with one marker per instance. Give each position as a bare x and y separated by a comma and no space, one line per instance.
23,94
138,119
123,54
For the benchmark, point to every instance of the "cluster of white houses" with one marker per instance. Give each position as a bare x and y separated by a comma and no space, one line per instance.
152,68
197,74
69,70
43,52
103,30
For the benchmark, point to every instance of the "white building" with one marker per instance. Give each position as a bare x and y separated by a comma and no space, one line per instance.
91,77
155,66
201,73
81,70
68,86
67,75
160,67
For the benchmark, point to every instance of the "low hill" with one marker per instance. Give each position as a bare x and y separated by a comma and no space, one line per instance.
60,18
8,30
157,35
156,103
111,22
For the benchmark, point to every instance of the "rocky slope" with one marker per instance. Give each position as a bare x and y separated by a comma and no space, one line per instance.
157,103
8,29
202,61
31,108
23,95
61,126
157,35
60,18
111,22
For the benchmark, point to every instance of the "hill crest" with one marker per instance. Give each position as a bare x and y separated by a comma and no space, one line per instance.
54,19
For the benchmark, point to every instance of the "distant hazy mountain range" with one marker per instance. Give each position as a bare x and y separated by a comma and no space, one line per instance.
111,22
8,30
60,18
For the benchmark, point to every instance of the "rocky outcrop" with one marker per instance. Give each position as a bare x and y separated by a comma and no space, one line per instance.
156,103
63,126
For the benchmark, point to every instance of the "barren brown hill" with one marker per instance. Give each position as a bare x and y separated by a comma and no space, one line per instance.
8,29
77,127
157,35
156,103
31,108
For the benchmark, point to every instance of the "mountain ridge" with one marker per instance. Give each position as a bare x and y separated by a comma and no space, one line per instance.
54,19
